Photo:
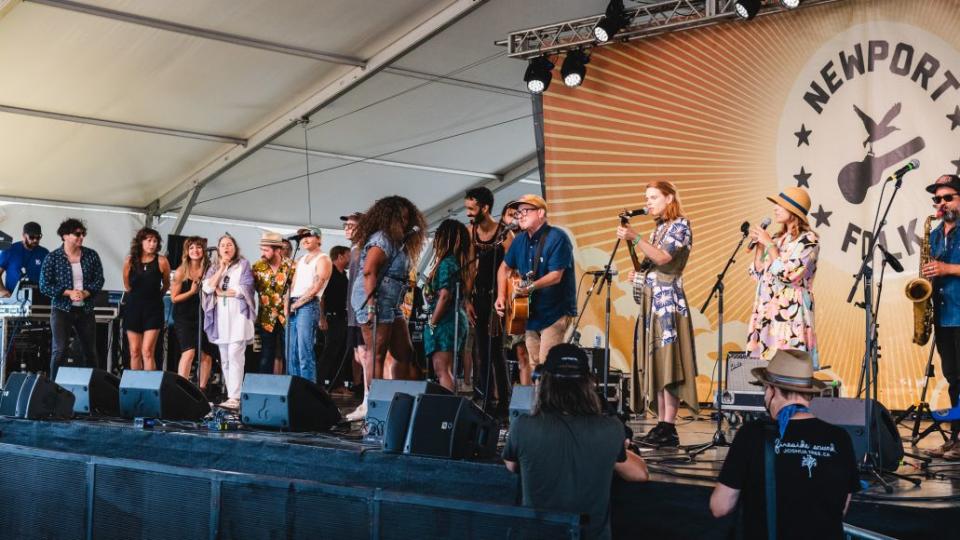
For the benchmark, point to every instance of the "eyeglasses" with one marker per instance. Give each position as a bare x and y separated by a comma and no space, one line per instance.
944,198
79,234
525,210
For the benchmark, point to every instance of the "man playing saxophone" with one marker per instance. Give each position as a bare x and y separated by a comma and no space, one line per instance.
943,270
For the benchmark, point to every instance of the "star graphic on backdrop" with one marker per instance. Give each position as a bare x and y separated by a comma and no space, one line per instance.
954,118
822,216
956,163
803,136
802,178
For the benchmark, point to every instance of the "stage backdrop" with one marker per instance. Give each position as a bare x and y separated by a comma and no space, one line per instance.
831,98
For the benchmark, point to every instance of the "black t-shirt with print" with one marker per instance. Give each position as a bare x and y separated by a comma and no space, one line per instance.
566,464
816,470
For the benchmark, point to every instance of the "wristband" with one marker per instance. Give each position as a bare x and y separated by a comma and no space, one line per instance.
531,287
636,240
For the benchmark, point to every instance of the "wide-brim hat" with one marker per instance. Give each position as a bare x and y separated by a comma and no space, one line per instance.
947,180
567,361
532,200
789,370
794,200
271,239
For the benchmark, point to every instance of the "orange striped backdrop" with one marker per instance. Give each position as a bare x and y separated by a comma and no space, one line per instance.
703,108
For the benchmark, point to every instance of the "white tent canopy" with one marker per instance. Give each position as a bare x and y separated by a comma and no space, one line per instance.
133,103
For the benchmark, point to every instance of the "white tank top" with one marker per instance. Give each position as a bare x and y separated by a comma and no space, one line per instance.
303,276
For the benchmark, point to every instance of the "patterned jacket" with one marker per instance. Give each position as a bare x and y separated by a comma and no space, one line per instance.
56,277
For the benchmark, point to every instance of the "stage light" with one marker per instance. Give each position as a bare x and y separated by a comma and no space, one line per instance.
747,9
538,75
789,4
614,20
574,68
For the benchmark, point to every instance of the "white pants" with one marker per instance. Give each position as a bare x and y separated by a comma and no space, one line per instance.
232,359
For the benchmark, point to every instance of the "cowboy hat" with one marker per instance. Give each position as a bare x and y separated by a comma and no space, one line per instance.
790,370
794,200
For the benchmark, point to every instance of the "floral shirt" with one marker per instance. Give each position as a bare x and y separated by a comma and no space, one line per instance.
56,277
783,306
271,288
665,282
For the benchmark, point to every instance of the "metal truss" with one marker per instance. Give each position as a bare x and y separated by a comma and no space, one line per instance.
646,19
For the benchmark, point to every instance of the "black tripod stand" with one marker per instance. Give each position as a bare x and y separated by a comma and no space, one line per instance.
922,410
719,439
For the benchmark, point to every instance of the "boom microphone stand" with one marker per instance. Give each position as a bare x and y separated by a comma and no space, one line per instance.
719,439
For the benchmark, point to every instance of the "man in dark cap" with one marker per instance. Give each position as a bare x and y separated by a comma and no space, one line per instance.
943,271
815,471
22,259
567,451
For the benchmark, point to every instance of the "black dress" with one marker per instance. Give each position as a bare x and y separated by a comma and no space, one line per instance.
489,337
144,306
186,322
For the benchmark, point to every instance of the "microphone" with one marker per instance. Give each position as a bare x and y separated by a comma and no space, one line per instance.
914,164
211,249
296,237
763,225
413,230
637,212
745,228
890,259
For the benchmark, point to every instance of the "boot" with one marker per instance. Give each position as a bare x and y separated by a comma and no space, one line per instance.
666,438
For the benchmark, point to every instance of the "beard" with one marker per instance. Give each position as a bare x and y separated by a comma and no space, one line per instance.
950,216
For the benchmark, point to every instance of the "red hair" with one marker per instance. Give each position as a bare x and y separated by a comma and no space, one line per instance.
673,210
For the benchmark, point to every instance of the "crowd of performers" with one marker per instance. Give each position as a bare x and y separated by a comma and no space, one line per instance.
221,302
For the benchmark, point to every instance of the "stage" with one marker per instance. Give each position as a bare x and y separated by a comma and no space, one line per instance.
181,481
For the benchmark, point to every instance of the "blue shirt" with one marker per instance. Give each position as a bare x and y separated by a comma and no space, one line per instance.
18,257
946,289
56,277
548,304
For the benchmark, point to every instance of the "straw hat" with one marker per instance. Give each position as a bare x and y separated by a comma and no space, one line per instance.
790,370
271,239
795,200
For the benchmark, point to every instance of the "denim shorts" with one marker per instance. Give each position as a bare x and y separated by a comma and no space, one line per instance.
389,298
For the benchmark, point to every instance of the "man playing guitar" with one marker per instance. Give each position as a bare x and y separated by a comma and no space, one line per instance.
543,257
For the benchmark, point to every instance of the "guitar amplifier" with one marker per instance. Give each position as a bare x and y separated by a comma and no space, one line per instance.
738,394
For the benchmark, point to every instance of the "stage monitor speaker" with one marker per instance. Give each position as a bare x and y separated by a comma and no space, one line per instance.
398,422
286,402
450,427
160,394
522,400
381,396
34,396
850,414
97,391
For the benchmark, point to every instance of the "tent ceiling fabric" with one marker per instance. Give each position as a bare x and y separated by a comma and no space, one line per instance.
79,64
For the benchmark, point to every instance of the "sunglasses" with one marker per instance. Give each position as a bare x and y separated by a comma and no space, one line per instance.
35,236
79,234
944,198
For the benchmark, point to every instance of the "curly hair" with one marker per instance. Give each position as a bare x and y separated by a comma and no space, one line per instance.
69,225
136,245
451,239
396,216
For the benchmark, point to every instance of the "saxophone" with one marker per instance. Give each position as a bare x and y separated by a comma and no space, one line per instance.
919,291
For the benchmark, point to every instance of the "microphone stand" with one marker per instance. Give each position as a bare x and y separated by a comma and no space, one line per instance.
871,460
719,439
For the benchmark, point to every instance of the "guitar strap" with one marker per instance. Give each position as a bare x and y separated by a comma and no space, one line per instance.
536,258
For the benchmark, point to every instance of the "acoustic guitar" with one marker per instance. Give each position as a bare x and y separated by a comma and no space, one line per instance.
518,307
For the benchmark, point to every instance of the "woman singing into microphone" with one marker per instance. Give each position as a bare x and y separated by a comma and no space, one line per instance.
784,266
665,364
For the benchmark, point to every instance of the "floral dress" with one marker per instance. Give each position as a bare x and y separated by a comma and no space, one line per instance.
665,356
783,306
441,337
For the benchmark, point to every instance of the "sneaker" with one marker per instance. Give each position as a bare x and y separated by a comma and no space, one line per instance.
358,414
666,438
941,450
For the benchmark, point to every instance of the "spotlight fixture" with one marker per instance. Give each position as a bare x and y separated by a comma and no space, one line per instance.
747,9
538,75
614,20
574,68
789,4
